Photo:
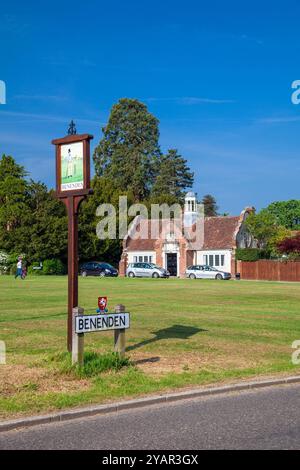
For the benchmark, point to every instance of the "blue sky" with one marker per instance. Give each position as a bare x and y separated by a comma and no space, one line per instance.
216,74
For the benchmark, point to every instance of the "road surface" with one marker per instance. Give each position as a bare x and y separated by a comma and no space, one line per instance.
259,419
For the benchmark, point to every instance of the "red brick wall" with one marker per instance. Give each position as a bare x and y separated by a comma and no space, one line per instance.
189,261
123,264
159,257
234,265
181,259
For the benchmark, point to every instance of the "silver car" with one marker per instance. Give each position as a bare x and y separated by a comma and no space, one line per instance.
206,272
146,270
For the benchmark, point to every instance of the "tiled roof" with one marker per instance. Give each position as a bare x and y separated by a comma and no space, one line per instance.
219,233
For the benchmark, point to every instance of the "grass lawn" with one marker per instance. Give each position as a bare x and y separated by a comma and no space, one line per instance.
183,333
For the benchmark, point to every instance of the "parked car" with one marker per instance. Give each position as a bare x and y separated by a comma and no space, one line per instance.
206,272
95,268
146,270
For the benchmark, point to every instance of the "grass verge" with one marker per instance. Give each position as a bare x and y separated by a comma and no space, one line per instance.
183,334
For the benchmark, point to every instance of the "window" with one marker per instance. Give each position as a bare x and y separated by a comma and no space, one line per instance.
105,266
142,258
214,260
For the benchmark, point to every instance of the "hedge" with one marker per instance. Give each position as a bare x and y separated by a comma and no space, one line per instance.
53,266
251,254
49,266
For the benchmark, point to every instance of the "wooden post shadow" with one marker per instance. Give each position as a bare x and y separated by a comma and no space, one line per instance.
175,331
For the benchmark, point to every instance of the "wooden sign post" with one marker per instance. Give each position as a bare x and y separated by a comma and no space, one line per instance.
72,187
118,321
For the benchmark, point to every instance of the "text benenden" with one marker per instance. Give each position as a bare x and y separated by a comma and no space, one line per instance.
101,322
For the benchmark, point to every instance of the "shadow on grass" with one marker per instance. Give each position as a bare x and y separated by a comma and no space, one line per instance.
36,317
147,360
175,331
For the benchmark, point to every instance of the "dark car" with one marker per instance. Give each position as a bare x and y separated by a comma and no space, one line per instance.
95,268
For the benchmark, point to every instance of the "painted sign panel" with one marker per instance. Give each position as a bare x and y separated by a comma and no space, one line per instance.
102,303
103,322
72,166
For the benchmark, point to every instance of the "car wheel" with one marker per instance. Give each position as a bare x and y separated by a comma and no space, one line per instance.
131,274
192,276
155,275
219,277
84,274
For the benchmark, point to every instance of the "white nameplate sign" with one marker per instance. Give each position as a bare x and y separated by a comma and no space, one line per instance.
101,322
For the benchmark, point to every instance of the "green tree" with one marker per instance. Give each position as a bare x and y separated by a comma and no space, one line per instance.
280,234
210,206
286,213
13,186
173,177
90,246
32,221
129,148
262,226
45,225
9,167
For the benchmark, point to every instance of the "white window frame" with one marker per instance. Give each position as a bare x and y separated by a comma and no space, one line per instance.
207,259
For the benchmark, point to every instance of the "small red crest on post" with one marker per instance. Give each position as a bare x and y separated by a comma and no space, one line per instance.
102,303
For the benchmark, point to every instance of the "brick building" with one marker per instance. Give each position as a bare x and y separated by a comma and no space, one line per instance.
173,250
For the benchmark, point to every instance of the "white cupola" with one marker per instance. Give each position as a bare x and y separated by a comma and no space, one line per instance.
190,209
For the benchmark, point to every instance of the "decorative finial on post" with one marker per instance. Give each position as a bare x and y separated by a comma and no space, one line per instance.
72,128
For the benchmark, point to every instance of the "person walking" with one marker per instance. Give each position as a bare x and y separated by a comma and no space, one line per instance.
19,268
24,271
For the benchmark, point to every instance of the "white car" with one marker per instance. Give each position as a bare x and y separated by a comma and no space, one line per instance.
206,272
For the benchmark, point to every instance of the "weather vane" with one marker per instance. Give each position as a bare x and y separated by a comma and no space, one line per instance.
72,128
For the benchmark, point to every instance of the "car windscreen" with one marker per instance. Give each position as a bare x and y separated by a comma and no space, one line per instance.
87,266
106,266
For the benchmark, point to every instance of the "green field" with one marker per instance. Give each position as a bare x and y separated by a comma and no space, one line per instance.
184,333
76,177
